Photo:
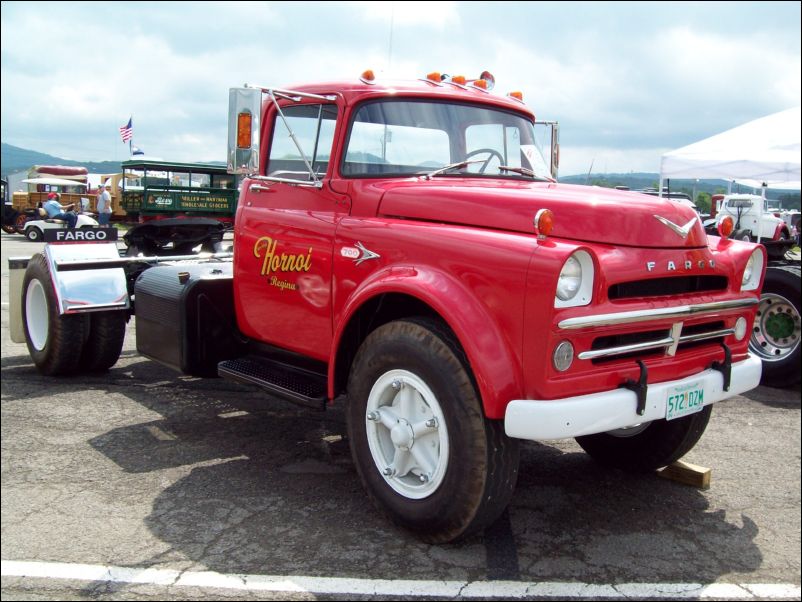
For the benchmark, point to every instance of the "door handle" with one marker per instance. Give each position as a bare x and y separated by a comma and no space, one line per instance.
260,188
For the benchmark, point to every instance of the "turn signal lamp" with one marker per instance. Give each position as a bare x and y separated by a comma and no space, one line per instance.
244,121
544,223
479,83
368,76
434,76
488,78
517,95
459,79
725,227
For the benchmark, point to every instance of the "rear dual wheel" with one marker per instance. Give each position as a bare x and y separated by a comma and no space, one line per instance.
64,344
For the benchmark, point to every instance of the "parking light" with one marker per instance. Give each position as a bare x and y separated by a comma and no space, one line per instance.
544,223
725,227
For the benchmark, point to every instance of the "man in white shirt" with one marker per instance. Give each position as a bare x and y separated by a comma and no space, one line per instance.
104,206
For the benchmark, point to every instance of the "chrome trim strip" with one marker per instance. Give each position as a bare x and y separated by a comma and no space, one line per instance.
592,355
70,265
644,315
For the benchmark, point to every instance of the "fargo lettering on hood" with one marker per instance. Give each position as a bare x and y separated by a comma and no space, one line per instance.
265,249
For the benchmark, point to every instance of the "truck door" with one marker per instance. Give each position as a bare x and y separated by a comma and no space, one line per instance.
284,236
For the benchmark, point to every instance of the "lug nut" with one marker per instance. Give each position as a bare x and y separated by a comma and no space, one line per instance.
373,416
432,423
397,385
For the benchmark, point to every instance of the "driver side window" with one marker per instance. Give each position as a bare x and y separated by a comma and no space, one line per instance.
313,127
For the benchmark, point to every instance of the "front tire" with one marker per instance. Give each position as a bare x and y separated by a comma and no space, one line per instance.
423,449
647,447
52,338
34,234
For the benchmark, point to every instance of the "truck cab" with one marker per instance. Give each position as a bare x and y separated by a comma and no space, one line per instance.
753,221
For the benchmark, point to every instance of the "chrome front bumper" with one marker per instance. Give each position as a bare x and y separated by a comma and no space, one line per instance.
540,420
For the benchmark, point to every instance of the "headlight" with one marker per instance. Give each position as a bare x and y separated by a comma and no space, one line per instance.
753,271
575,283
570,279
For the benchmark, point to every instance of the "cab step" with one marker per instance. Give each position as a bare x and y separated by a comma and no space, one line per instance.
288,382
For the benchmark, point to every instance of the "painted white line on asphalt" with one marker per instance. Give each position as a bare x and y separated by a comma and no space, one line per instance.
398,587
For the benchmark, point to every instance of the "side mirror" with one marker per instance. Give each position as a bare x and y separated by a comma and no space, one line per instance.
244,116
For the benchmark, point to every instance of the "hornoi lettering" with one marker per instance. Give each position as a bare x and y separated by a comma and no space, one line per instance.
273,262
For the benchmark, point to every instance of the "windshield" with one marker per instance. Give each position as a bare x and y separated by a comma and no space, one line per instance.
406,137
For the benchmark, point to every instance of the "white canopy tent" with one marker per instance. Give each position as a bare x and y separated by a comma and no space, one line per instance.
766,150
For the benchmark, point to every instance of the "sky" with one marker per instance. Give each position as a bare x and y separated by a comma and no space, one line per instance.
627,81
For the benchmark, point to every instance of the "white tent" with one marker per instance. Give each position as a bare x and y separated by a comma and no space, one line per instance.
766,150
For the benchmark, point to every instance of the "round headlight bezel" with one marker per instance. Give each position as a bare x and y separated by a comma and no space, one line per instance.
750,281
575,281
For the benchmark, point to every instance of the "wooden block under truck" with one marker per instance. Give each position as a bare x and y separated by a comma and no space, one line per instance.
402,249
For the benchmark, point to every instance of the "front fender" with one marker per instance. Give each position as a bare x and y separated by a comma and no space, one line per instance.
494,358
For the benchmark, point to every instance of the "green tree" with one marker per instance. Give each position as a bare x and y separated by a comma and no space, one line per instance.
703,201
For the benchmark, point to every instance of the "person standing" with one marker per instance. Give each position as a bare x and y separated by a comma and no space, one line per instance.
104,206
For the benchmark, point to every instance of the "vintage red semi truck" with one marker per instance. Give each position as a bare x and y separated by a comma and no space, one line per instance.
402,248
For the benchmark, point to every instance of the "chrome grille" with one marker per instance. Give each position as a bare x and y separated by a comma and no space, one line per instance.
655,342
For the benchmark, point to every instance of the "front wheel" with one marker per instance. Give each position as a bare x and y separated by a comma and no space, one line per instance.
423,449
34,234
648,446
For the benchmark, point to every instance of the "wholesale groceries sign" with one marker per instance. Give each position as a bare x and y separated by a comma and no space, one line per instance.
190,202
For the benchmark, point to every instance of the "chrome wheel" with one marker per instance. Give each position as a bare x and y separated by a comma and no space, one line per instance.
406,433
777,329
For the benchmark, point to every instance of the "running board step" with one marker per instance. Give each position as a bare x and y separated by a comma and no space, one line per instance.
285,381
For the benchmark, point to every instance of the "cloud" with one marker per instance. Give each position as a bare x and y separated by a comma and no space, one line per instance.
620,82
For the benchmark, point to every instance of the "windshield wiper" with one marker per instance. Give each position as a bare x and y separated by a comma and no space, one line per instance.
449,167
525,171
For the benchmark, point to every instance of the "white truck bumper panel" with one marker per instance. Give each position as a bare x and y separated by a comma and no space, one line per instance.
540,420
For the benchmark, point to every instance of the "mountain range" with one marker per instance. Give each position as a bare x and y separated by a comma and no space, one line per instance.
14,159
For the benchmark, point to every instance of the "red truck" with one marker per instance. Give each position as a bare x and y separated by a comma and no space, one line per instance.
402,248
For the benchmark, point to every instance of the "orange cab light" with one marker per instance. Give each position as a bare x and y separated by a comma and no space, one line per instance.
544,223
725,227
480,83
244,121
516,95
459,79
434,76
368,75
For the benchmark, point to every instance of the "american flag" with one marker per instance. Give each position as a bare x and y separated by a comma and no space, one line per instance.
127,131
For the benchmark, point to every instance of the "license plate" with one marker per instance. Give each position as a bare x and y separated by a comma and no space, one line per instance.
683,400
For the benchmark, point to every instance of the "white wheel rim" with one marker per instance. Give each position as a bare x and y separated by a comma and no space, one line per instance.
407,434
36,314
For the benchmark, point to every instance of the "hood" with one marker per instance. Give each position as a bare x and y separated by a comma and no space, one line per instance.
581,213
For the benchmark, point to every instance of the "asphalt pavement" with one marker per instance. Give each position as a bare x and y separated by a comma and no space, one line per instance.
143,483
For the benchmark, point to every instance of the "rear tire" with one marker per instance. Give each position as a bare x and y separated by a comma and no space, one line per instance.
648,447
104,342
423,449
54,341
19,223
777,331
